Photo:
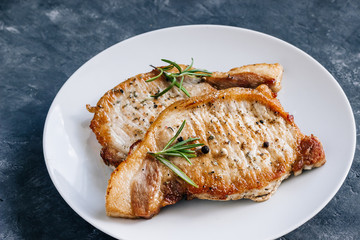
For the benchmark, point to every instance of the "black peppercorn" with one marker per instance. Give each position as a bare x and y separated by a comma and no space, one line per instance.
205,149
266,144
261,121
180,139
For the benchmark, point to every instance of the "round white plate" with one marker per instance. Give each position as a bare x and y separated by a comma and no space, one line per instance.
309,92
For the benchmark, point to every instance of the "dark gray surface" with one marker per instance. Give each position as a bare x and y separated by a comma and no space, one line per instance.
43,42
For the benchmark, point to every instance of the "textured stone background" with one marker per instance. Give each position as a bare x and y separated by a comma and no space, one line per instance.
43,42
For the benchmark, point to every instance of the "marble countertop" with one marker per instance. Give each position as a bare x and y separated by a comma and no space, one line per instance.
43,42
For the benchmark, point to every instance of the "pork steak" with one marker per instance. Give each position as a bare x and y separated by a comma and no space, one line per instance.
254,145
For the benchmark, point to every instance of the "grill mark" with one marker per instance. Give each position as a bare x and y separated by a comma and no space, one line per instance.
251,128
224,118
261,136
257,139
196,131
196,118
220,122
233,130
281,143
273,149
199,120
245,139
220,159
240,140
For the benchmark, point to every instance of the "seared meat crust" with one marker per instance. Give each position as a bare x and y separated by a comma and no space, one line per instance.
254,145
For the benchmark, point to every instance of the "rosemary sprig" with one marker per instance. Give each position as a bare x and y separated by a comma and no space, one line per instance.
180,75
180,149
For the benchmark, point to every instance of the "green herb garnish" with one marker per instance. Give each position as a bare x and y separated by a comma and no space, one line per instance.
179,149
180,75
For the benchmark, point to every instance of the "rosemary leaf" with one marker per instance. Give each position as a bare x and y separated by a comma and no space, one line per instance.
195,70
198,74
186,146
185,141
156,77
188,151
184,156
165,90
176,135
179,149
176,170
181,82
172,63
182,89
178,154
190,66
180,75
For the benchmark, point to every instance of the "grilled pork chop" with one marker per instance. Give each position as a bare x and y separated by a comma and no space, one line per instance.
123,114
254,145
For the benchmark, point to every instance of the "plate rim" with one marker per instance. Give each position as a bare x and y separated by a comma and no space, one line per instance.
213,26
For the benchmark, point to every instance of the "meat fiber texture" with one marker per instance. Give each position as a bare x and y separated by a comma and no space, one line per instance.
254,145
124,114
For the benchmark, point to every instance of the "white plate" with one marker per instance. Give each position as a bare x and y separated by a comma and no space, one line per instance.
309,92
